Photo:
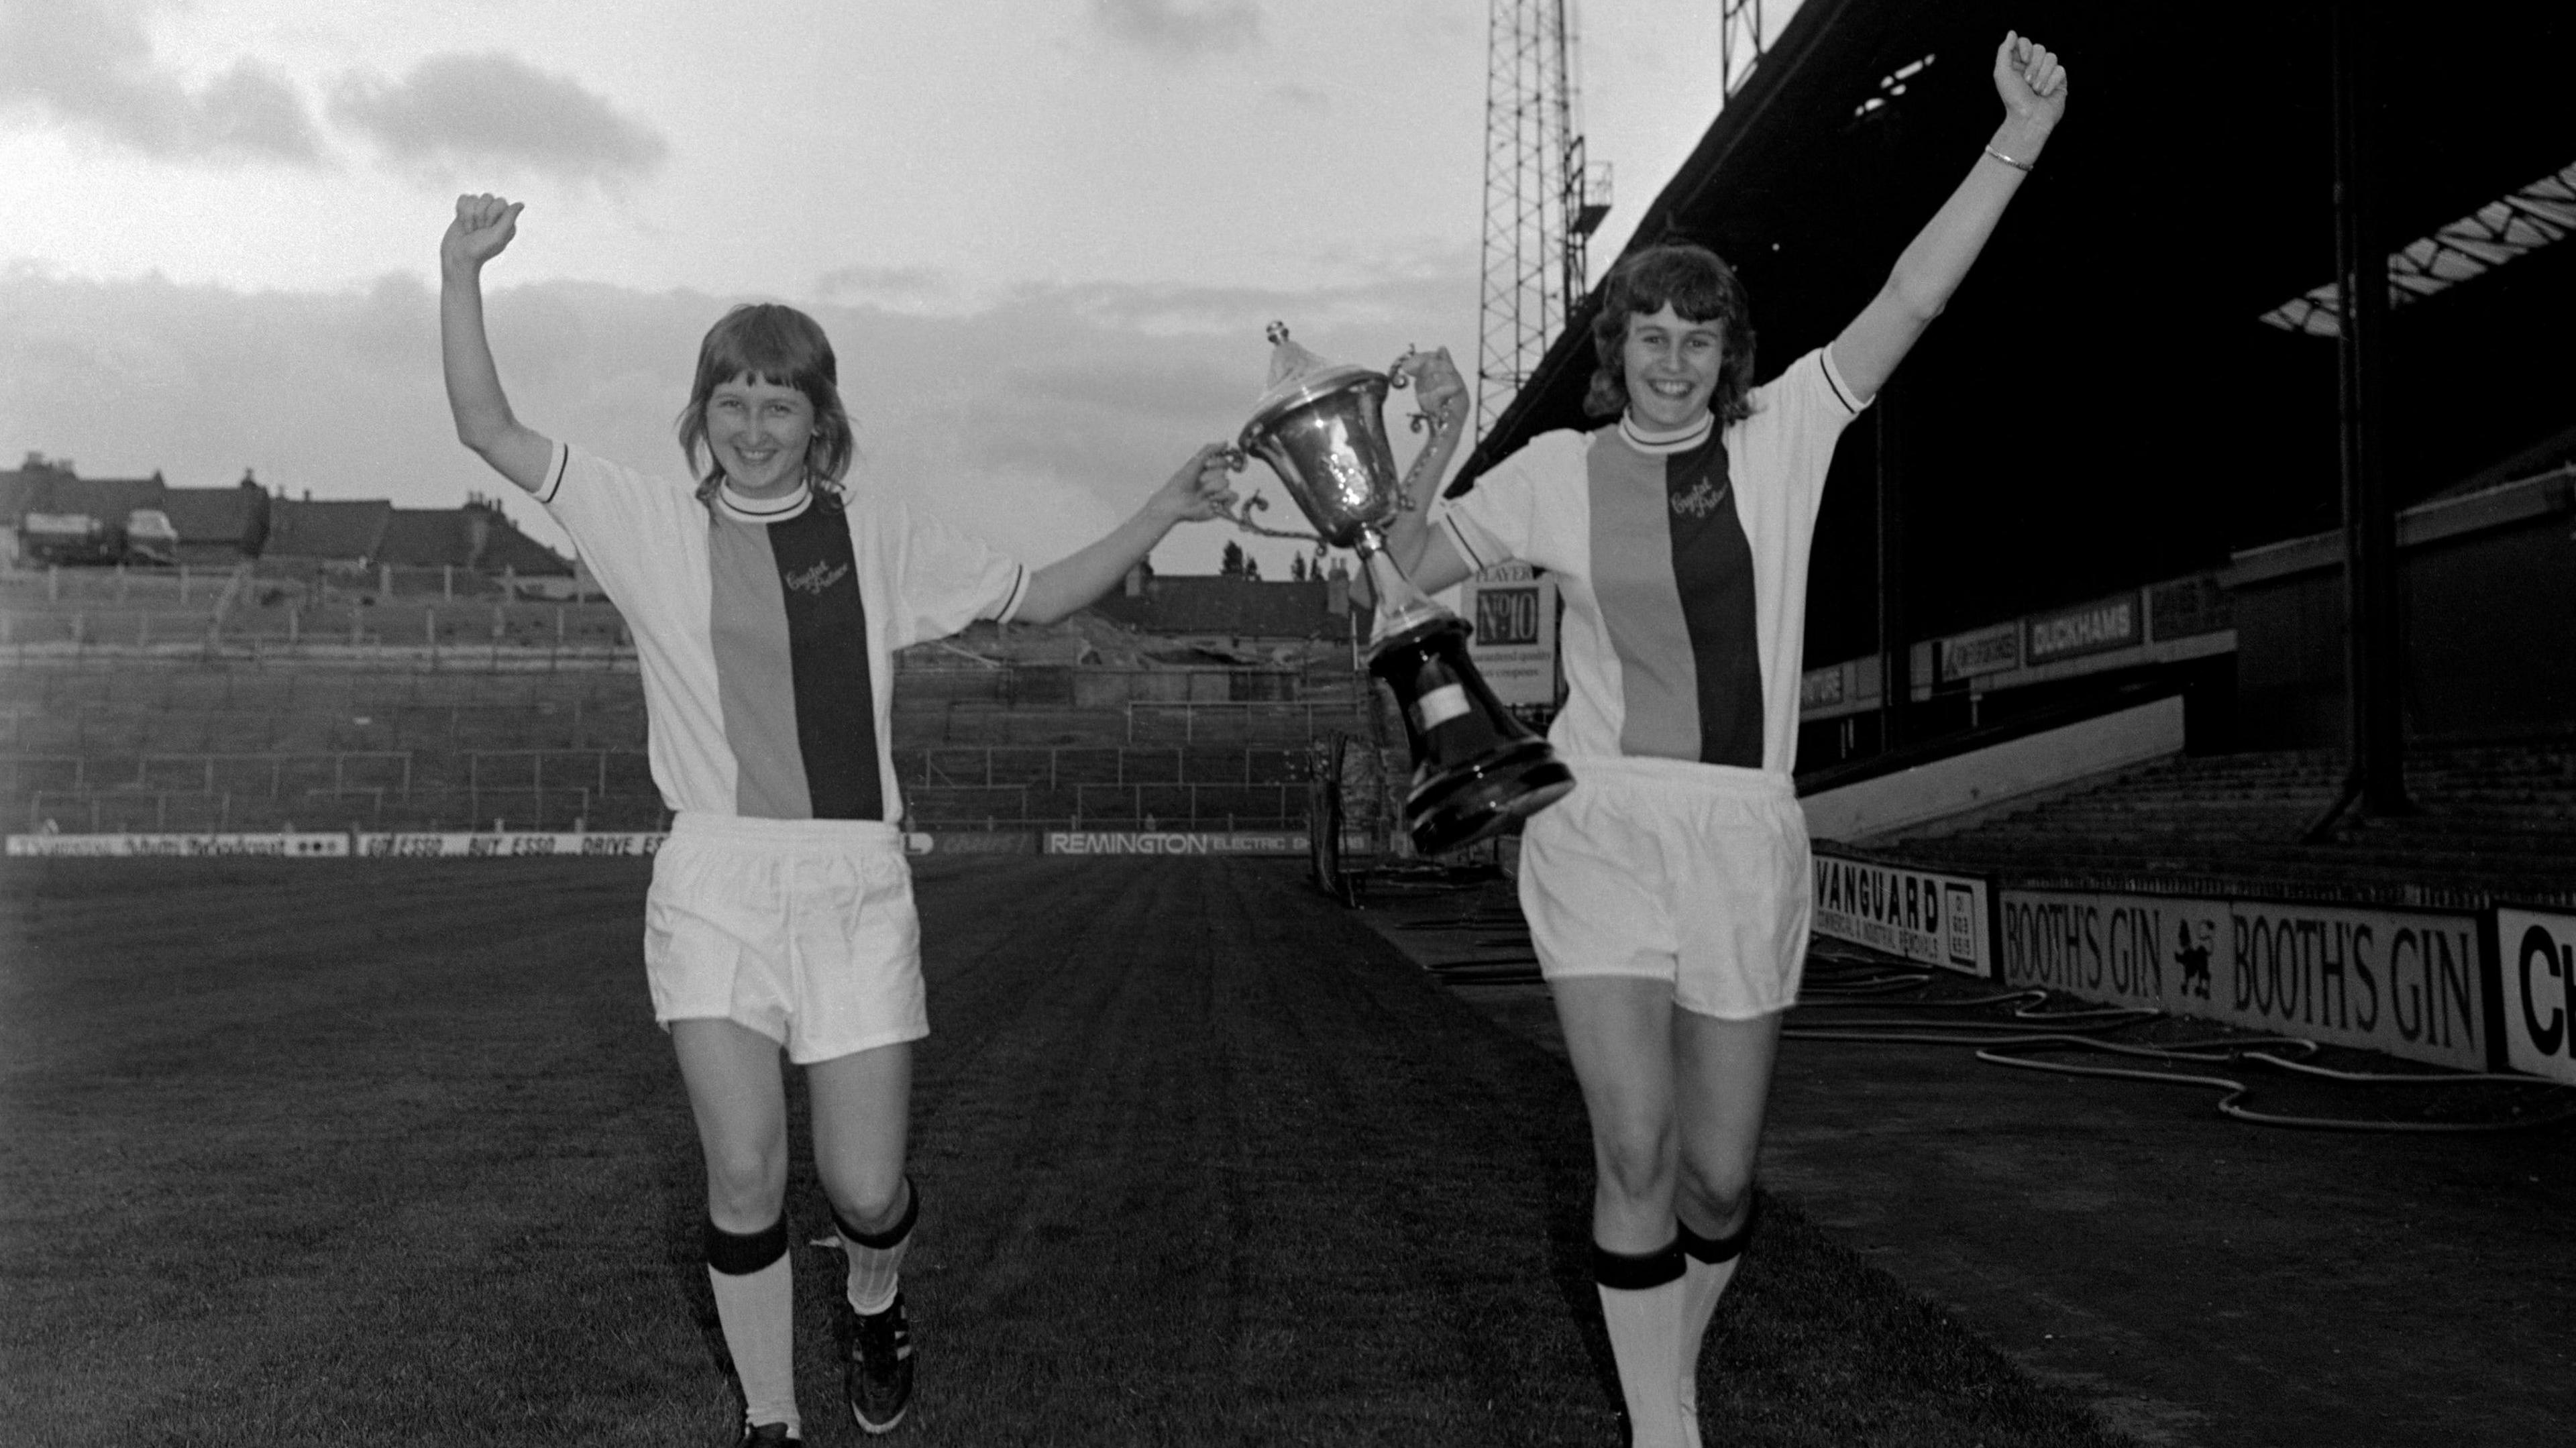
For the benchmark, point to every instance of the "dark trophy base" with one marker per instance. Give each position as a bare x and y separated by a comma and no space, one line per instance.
1463,804
1475,767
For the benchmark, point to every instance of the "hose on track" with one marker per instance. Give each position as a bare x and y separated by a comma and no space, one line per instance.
2028,1029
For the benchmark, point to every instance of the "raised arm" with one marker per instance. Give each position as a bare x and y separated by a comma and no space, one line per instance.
2033,87
484,422
1425,555
1195,493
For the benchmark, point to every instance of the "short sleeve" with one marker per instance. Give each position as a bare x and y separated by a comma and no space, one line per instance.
618,518
1493,523
1810,402
1797,418
946,578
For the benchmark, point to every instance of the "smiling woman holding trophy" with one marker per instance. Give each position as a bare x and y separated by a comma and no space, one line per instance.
1668,894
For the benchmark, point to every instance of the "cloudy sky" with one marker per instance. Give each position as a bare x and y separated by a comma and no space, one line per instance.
1043,234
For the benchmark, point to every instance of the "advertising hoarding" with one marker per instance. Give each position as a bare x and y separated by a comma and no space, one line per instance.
334,845
2099,627
1922,915
2537,952
1979,651
1513,609
2407,982
1170,842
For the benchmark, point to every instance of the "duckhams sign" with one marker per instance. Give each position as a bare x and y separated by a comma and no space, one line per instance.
2406,982
1923,916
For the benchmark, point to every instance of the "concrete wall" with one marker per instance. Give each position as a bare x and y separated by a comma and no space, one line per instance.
1997,774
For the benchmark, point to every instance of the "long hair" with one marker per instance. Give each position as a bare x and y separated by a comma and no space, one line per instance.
783,347
1701,288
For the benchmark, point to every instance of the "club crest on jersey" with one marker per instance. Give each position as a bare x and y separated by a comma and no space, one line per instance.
1703,499
816,579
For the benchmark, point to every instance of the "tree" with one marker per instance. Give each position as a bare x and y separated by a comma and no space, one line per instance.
1251,569
1297,568
1230,563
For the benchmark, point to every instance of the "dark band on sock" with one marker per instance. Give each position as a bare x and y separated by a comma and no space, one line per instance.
737,1255
1713,1250
892,1236
1623,1273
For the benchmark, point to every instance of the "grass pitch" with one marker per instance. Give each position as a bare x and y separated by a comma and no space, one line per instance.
374,1152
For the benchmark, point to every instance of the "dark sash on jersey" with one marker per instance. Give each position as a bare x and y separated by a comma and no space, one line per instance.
792,668
1674,576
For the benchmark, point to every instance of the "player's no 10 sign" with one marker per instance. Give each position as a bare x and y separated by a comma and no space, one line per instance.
1507,615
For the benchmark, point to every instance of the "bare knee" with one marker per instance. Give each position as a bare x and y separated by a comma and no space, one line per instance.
746,1183
870,1202
1635,1158
1715,1197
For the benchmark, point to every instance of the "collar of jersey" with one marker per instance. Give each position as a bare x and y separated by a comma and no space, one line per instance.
765,510
1660,443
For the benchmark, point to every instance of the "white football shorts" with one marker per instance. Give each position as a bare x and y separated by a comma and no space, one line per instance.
1693,873
802,930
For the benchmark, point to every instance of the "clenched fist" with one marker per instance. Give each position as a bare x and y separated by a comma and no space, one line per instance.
482,229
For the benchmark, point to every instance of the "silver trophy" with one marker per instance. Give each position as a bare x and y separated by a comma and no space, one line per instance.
1475,767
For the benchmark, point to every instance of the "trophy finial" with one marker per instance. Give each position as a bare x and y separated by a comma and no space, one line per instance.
1288,360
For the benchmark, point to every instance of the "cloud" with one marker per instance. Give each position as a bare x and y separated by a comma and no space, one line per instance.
88,65
479,110
1190,27
896,288
1036,418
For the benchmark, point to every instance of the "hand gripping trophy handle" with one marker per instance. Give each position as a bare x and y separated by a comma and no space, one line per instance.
1321,429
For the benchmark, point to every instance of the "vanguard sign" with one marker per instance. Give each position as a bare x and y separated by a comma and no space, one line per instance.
1922,915
2402,981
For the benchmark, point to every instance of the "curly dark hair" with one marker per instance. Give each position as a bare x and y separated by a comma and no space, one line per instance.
783,347
1702,288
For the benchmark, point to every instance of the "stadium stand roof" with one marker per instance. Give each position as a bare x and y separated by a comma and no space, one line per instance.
2104,404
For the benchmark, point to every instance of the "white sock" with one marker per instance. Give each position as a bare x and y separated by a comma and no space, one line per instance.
1641,1301
1707,1266
755,1305
876,1258
1702,1284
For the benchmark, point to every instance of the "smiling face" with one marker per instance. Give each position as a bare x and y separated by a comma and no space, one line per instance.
759,432
1670,364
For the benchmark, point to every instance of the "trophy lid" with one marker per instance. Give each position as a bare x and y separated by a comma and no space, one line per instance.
1298,376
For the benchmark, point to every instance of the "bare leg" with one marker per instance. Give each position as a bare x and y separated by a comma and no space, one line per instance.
1723,1071
740,1102
862,1117
1619,1034
1722,1085
862,1112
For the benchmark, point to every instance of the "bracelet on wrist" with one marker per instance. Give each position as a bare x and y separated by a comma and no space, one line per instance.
2022,166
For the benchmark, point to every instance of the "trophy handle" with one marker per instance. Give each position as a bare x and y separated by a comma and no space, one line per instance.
1399,376
1241,517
